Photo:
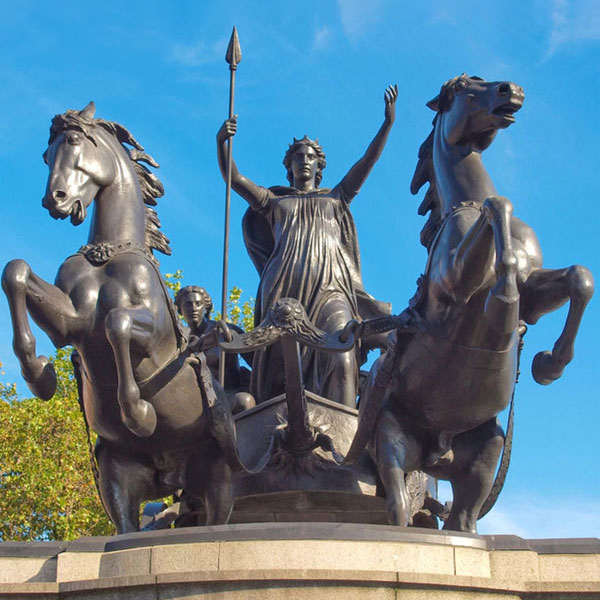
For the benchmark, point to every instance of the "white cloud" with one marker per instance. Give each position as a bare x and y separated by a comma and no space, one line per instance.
532,516
358,15
573,21
321,38
200,53
443,13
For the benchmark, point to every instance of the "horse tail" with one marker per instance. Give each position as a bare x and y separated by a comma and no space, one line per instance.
507,450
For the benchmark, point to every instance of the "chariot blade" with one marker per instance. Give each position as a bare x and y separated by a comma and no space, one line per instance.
234,51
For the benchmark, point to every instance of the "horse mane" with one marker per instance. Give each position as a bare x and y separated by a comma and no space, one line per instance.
424,172
150,185
431,202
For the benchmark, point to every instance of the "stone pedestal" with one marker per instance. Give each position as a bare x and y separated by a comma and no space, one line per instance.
301,560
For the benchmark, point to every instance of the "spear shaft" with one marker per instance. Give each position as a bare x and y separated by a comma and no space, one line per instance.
233,57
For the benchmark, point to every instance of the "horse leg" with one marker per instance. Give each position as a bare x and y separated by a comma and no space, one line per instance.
218,497
488,237
471,473
124,484
126,327
395,451
544,291
502,304
51,308
209,477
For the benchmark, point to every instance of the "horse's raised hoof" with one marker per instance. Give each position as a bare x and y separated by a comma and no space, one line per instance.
141,420
43,383
543,370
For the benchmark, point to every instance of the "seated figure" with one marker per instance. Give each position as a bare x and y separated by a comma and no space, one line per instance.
194,304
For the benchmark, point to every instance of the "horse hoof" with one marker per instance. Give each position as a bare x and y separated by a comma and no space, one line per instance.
543,370
43,385
142,420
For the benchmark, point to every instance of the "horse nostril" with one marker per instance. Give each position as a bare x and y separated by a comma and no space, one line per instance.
503,89
59,195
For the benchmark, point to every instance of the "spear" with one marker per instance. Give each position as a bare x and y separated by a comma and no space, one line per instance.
233,57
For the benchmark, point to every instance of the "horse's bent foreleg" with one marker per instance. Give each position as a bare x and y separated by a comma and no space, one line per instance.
502,304
121,326
470,263
544,291
395,451
37,371
476,454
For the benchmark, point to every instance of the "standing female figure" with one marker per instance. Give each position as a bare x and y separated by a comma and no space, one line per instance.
303,243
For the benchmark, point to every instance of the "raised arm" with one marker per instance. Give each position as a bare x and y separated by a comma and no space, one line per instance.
358,174
255,195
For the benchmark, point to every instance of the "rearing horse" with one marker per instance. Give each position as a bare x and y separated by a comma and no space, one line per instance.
140,389
438,389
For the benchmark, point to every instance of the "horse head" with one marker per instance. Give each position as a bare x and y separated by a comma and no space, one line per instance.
78,167
472,110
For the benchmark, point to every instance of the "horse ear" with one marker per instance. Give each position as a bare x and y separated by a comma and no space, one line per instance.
434,104
89,111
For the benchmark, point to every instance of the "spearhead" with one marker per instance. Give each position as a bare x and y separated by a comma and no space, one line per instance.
234,52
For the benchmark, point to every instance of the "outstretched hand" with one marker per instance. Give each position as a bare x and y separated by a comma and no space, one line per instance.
227,130
390,96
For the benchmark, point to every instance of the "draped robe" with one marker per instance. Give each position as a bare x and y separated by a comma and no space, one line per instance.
304,246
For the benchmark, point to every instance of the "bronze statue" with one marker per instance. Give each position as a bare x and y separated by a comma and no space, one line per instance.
303,243
452,368
142,393
429,403
194,304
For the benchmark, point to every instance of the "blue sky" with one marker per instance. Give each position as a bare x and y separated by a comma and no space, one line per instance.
320,67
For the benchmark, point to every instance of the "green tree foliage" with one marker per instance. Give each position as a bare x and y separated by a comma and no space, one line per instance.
238,312
47,490
173,281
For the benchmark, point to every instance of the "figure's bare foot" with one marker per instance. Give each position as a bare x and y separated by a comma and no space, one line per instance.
544,368
41,377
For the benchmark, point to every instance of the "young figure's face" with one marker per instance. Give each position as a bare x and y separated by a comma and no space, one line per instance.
193,309
304,165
